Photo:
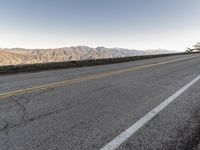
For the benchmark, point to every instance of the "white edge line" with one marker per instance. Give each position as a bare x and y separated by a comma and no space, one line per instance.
116,142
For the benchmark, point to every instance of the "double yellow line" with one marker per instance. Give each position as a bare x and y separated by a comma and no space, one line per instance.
86,78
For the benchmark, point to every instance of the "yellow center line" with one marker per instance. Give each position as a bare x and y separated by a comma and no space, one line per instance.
86,78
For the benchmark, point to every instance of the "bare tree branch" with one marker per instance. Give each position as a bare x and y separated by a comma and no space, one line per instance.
195,47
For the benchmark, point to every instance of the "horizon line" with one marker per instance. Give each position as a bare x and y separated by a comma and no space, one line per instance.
94,47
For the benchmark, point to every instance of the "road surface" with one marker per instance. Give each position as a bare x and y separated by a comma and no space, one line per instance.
141,105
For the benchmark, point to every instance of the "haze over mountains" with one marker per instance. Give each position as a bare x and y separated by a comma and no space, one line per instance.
17,56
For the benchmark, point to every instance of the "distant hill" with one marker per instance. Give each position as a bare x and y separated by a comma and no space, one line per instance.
17,56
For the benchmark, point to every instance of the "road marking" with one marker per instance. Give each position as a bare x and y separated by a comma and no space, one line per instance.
116,142
90,77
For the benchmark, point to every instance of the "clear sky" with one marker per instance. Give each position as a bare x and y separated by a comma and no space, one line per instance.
134,24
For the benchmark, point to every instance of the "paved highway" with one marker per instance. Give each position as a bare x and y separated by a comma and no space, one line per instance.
141,105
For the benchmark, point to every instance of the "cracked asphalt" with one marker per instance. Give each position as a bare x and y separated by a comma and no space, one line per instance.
89,114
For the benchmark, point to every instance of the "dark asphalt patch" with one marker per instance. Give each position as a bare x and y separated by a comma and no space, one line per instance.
194,139
188,137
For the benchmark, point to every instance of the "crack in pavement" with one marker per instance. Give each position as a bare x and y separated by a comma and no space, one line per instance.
22,108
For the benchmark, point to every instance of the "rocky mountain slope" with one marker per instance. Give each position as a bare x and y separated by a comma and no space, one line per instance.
18,56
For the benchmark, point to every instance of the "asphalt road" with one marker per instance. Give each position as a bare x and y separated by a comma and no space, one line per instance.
87,108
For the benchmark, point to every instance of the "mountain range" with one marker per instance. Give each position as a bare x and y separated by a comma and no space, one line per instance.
17,56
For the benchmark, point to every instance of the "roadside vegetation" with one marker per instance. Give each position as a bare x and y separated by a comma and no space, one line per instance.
195,48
